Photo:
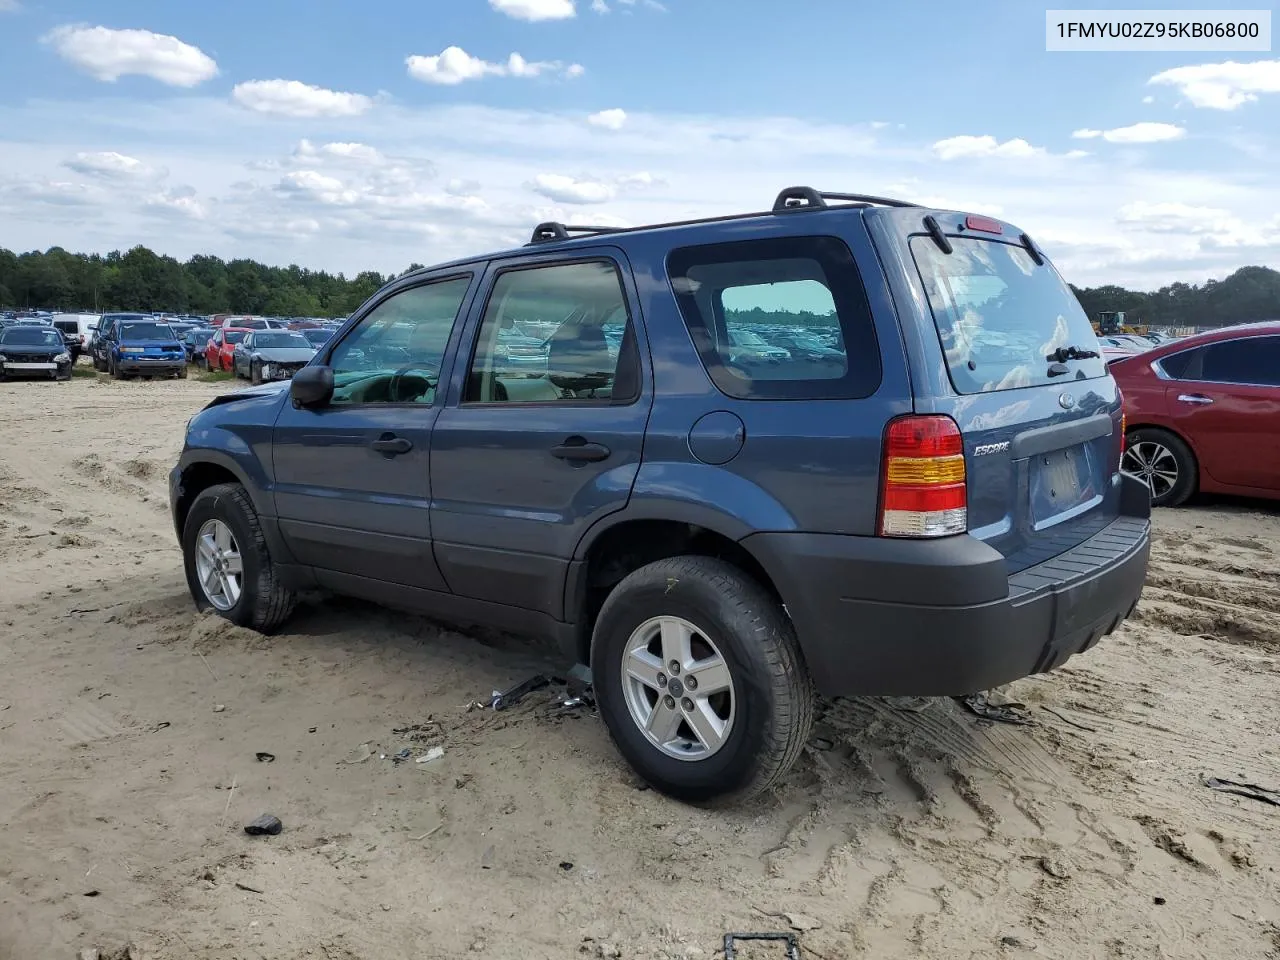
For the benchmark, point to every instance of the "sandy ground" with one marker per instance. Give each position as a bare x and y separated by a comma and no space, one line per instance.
129,727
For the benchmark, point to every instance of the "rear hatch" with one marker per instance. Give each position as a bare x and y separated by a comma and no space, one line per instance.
1023,377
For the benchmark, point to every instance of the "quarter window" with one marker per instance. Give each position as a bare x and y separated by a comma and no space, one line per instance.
394,354
778,319
555,334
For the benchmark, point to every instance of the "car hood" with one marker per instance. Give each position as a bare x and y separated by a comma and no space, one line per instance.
250,393
285,354
37,349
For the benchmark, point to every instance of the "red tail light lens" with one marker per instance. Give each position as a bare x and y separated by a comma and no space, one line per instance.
923,490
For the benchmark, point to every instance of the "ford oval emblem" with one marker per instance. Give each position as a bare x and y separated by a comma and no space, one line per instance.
1066,401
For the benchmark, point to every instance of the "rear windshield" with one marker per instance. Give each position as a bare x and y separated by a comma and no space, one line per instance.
234,336
1000,318
145,331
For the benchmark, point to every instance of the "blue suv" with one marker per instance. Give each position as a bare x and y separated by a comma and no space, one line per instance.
929,504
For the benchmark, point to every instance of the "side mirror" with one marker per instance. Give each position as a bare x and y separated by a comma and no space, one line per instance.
311,386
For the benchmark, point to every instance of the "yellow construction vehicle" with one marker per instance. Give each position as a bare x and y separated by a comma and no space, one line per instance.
1111,322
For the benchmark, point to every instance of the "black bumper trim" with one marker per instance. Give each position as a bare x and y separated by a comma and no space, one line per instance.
857,645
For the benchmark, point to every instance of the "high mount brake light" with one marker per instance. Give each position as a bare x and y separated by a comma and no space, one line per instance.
923,491
985,224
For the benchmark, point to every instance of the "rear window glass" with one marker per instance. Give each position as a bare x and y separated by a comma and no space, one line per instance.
778,319
999,316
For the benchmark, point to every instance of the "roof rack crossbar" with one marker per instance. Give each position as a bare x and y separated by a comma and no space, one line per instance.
551,231
807,198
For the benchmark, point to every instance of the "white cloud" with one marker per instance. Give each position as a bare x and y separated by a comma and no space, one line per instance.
954,148
612,119
178,202
562,189
454,65
599,6
379,190
292,98
534,10
1144,132
108,55
109,165
1223,86
1148,99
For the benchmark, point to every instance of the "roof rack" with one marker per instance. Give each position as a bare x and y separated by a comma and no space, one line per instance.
551,230
789,200
807,198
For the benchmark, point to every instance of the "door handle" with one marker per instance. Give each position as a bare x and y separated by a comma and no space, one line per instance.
578,450
391,445
1194,398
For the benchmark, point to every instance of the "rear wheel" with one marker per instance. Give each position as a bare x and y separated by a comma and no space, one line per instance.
1164,462
700,680
228,566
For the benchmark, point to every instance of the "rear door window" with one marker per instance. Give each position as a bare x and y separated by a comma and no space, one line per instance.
1000,318
1249,361
778,319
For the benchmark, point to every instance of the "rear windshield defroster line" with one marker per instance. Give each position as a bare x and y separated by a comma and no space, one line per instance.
1003,320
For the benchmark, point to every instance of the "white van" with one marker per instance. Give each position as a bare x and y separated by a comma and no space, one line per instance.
82,325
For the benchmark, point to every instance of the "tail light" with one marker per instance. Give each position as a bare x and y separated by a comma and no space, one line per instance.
923,489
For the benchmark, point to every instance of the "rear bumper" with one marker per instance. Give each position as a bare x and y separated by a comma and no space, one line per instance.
880,617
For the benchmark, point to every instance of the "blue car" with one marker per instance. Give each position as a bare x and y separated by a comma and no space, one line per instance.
137,345
720,534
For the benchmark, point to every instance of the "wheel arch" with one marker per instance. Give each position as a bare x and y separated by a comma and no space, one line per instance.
1131,428
625,541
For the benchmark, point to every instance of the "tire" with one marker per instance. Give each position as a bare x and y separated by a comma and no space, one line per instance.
772,693
262,604
182,373
255,374
113,369
1164,462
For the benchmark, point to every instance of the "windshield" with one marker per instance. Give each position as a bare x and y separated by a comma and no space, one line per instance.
32,336
145,331
234,336
999,316
198,336
316,337
281,341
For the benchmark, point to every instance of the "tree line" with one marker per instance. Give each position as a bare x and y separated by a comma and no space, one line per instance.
140,279
145,281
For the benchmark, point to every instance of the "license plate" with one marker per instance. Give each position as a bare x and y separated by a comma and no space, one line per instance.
1060,480
31,366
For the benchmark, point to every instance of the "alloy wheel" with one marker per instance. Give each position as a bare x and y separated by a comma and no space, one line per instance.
1154,464
219,566
678,688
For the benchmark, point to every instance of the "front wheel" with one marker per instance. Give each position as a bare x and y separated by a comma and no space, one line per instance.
112,369
255,373
228,566
700,680
1163,462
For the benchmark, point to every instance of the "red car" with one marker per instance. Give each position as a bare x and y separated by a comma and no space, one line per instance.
1203,413
217,352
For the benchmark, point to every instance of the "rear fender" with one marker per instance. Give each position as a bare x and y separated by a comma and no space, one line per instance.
695,493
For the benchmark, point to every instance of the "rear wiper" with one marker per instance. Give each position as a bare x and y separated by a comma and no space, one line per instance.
1063,354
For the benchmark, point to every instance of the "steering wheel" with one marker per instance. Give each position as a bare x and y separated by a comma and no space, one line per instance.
403,381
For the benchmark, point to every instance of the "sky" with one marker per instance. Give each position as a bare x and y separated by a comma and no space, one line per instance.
352,136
